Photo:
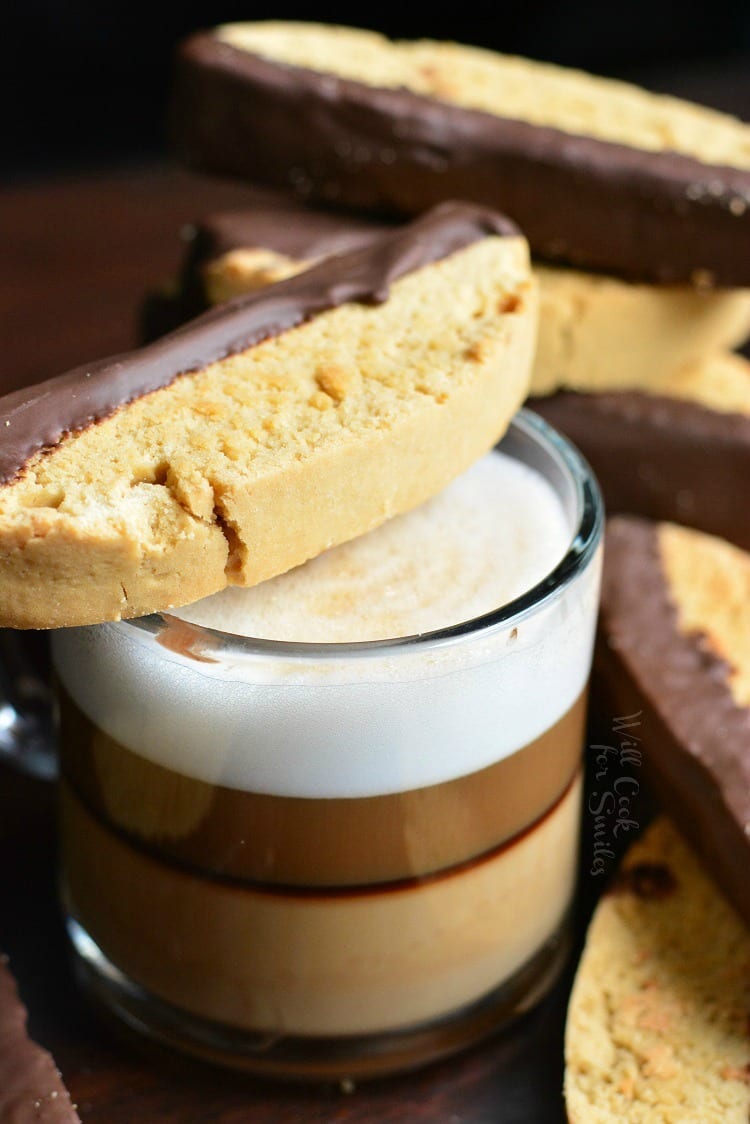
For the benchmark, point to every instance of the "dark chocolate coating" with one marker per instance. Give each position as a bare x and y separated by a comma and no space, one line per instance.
661,457
37,417
696,739
276,222
280,223
595,204
31,1089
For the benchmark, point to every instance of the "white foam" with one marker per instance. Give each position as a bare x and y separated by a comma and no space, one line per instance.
488,537
386,721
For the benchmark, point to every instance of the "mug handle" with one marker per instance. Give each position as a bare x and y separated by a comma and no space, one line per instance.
27,708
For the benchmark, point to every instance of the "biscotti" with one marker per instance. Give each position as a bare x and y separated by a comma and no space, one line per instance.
353,392
31,1088
598,174
674,647
657,1026
595,332
679,452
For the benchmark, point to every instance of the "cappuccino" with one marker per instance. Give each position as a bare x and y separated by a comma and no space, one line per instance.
350,812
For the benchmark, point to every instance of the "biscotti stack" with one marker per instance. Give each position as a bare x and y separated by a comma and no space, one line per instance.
333,354
657,1025
642,202
638,211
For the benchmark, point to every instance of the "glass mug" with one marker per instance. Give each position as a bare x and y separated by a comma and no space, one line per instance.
331,860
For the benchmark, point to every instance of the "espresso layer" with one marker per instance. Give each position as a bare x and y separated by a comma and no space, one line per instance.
326,965
695,734
661,457
37,417
317,842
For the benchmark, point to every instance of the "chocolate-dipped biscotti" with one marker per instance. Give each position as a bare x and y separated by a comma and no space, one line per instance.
598,174
674,648
595,332
679,451
657,1026
356,390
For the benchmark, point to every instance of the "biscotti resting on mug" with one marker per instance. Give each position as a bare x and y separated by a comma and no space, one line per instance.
267,430
598,174
596,333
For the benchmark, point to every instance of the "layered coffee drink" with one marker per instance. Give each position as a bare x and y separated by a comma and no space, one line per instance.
343,806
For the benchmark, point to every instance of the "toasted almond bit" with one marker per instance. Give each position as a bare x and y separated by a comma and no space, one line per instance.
627,1087
659,1062
320,400
208,409
477,350
511,302
337,381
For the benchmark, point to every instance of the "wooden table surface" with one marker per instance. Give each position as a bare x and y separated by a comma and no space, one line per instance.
77,257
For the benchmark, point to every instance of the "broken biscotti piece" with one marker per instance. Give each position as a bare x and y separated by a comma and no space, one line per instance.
595,332
674,645
678,450
268,430
657,1026
597,173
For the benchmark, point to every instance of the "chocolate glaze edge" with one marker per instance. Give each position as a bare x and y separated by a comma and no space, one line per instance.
38,417
661,457
643,214
695,736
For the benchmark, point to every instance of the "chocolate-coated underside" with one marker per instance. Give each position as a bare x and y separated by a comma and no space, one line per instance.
37,417
695,737
271,221
661,457
596,204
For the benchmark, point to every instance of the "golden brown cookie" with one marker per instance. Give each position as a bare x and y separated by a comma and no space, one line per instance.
268,430
657,1029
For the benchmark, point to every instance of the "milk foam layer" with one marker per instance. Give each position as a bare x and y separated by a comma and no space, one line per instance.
488,537
323,725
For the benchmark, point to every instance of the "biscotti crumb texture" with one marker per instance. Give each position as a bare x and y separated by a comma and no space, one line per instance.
518,88
596,333
657,1027
599,333
719,382
360,413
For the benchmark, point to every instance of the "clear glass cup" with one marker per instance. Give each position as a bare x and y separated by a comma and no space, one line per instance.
332,860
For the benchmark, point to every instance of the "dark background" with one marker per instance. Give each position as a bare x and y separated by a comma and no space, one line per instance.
86,83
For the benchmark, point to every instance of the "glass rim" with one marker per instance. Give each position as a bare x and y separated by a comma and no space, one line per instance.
584,542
